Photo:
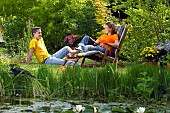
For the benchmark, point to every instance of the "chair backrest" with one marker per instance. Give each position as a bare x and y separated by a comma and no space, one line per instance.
1,39
121,31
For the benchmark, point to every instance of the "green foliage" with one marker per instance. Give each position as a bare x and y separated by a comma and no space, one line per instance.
57,19
166,59
19,8
143,87
137,81
20,85
5,79
148,23
64,18
14,16
16,35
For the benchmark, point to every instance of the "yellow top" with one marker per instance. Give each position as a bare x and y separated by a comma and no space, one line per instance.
40,50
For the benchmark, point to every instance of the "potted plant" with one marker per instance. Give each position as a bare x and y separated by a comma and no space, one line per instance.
149,55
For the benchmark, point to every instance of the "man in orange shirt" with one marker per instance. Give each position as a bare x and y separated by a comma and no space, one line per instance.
111,37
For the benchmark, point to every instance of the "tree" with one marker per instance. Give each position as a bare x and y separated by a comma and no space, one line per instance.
149,21
56,17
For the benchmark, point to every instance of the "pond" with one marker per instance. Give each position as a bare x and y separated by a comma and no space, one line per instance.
20,105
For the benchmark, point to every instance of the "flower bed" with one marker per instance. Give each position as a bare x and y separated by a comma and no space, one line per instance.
149,54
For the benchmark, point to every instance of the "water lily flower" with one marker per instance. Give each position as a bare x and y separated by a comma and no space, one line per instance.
95,110
141,110
79,108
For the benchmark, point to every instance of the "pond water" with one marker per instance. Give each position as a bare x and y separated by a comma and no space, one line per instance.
20,105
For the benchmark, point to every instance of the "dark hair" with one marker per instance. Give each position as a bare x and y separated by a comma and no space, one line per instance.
111,26
34,30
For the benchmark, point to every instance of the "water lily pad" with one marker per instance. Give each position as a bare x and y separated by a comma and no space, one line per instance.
117,110
129,110
69,111
57,111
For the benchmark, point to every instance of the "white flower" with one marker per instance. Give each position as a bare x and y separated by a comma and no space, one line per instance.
79,108
141,110
95,110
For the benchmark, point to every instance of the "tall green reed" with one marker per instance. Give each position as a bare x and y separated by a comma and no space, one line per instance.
20,85
27,86
134,81
5,79
146,81
86,82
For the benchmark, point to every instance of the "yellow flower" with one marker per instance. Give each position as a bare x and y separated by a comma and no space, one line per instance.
151,50
149,54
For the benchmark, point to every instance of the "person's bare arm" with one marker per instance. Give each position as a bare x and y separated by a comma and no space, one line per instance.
28,59
115,44
97,42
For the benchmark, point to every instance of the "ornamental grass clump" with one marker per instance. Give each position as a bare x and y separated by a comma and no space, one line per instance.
149,54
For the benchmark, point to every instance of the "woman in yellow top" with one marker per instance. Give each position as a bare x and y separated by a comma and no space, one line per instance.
38,47
111,37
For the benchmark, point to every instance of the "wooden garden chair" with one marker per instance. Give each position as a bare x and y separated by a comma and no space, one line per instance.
98,57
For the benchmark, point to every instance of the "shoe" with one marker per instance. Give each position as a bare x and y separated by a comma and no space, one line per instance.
79,48
62,68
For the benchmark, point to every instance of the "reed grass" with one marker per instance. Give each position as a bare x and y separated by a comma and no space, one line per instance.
134,81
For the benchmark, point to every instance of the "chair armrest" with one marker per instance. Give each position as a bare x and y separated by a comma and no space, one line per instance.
111,46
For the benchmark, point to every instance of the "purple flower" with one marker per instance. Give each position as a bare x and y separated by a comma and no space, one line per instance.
69,39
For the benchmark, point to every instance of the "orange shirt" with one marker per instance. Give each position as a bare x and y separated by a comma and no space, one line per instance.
40,50
108,39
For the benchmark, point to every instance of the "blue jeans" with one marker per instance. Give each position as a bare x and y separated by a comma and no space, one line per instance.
88,45
57,58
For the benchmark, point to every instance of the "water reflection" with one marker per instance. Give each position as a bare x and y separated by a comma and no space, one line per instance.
20,105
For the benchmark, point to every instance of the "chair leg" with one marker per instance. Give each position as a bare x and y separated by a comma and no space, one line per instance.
75,62
65,61
83,61
103,60
117,61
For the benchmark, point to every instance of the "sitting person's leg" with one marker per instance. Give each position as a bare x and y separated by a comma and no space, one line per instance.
54,60
64,51
86,41
57,58
91,47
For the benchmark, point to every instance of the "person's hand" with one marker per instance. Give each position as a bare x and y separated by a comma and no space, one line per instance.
95,44
102,45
